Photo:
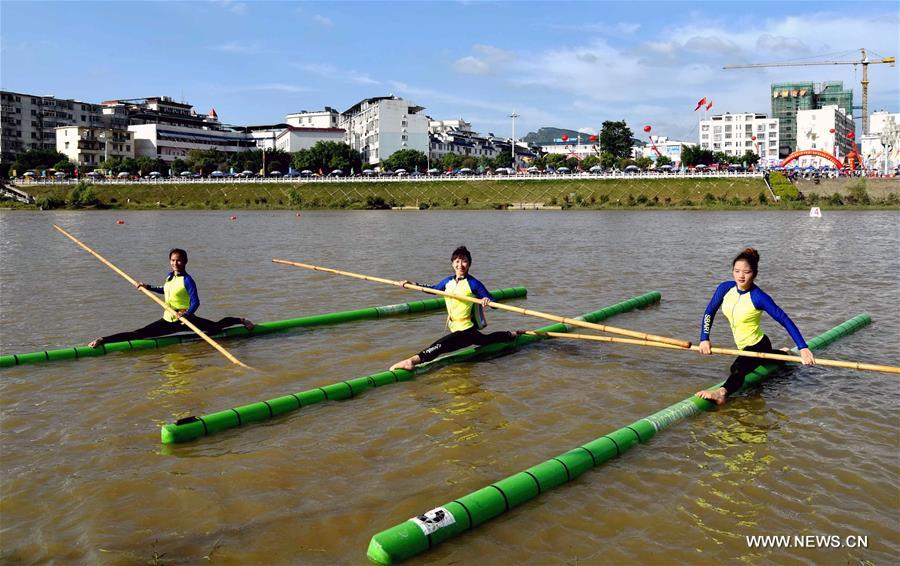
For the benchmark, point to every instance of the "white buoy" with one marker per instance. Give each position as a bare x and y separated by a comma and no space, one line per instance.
815,212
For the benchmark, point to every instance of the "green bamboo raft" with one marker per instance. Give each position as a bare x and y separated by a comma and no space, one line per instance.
421,533
190,428
369,313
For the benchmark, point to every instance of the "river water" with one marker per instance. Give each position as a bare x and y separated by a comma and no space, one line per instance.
814,451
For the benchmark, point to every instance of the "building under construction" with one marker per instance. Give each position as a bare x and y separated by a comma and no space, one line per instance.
788,98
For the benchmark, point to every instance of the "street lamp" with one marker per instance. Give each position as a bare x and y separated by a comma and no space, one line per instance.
513,144
103,136
888,140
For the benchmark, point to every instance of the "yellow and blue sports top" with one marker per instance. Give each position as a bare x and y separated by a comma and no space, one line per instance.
180,293
743,310
462,315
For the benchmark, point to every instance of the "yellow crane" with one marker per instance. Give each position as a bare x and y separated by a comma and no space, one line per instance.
865,62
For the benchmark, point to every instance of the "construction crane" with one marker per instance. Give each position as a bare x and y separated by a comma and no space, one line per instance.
865,62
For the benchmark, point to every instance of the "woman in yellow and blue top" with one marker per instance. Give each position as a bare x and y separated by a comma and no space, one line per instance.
463,318
181,296
743,304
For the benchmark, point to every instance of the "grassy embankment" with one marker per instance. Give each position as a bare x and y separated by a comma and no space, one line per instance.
575,193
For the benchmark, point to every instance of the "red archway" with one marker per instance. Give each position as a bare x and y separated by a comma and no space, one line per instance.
815,152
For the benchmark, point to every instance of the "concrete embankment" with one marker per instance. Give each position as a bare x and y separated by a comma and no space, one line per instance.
875,187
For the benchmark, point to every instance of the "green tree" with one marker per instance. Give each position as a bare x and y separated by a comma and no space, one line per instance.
408,159
607,160
65,166
327,156
750,158
37,159
178,166
616,138
589,161
662,160
556,160
644,163
205,161
450,161
502,159
692,155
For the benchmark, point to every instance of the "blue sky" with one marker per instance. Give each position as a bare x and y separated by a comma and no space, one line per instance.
570,65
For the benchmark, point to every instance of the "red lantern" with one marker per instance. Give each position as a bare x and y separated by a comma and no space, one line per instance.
851,135
753,138
831,131
647,129
565,138
593,138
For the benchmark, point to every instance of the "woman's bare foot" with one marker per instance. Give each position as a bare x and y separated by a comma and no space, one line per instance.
408,364
95,343
717,395
248,324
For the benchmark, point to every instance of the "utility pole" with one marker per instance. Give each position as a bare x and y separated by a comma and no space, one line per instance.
513,144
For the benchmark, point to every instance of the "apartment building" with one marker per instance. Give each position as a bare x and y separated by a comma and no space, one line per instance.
735,134
824,129
92,146
377,127
29,121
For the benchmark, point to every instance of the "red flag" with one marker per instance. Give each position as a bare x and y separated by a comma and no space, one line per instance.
708,106
700,103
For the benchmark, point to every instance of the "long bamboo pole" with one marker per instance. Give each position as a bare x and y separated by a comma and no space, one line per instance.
724,351
168,309
571,321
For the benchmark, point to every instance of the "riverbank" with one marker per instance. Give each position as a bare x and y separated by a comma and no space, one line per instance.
575,193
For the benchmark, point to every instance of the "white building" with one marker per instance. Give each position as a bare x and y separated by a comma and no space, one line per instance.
824,129
377,127
880,149
735,134
328,118
169,142
93,146
577,150
665,146
29,121
292,140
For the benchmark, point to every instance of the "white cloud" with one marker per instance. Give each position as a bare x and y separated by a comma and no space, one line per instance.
332,72
239,8
488,61
472,66
323,21
246,48
781,44
659,79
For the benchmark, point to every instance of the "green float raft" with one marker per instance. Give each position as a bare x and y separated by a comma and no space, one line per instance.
190,428
437,525
261,328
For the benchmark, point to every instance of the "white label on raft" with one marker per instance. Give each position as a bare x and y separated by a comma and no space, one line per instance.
388,310
433,520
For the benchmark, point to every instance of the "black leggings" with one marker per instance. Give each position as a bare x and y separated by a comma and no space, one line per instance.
461,339
743,365
162,327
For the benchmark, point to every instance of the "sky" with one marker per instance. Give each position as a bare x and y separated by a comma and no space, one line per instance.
559,64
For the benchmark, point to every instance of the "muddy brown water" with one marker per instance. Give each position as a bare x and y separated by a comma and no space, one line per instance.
814,451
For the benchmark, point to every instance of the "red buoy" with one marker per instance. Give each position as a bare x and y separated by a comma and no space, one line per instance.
120,221
233,217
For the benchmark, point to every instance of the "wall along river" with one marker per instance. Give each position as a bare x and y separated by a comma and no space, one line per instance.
85,478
